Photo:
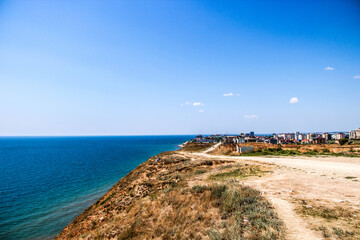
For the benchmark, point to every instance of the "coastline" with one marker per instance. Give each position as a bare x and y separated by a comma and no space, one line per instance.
110,191
180,195
165,181
58,178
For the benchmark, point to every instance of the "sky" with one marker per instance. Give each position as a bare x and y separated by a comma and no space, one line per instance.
178,67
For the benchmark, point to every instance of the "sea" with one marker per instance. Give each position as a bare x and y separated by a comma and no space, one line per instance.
45,182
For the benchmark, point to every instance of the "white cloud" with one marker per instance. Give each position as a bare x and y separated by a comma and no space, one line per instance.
357,76
329,68
250,117
294,100
201,110
231,94
187,103
196,104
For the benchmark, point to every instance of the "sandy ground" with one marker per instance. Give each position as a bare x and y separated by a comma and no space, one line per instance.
338,166
212,148
317,178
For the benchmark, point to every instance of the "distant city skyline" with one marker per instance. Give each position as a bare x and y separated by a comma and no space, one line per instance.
178,67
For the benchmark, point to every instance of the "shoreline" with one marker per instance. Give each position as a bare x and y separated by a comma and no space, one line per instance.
280,180
58,178
157,179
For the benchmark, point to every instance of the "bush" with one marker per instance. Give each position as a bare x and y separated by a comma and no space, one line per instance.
200,171
343,141
199,189
217,191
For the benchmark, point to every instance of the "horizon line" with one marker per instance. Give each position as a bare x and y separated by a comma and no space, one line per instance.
190,134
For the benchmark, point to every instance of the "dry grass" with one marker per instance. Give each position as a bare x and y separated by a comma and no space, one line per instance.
239,172
172,215
245,214
196,147
332,220
155,201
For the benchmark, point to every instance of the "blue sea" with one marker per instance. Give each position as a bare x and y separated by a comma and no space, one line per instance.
45,182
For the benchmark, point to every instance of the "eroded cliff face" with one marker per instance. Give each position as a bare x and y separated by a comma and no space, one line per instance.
178,196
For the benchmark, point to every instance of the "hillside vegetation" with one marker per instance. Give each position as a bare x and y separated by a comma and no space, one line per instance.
196,147
171,196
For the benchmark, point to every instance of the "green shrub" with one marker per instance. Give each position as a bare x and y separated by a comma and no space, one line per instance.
199,189
343,141
217,190
237,173
200,171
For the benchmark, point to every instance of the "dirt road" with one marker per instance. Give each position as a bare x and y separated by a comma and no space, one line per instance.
337,166
330,180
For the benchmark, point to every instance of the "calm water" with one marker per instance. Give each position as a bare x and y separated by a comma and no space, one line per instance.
45,182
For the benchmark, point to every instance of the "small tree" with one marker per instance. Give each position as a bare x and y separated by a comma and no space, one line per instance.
343,141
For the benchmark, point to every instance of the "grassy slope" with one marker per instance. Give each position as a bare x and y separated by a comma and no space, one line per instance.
157,200
196,147
332,220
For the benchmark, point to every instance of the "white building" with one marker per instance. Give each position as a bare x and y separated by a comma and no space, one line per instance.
310,136
244,149
240,139
339,136
355,134
352,134
287,136
327,136
301,137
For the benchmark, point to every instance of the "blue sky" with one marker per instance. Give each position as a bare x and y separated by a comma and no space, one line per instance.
178,67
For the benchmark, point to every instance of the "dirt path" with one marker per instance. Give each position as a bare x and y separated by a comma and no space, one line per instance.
295,225
331,179
212,148
341,167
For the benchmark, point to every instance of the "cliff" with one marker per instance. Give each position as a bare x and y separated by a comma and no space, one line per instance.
176,195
